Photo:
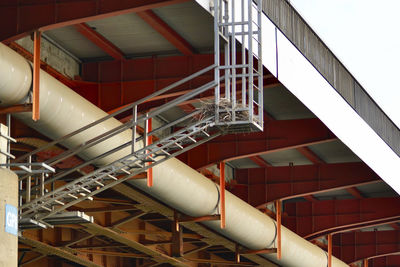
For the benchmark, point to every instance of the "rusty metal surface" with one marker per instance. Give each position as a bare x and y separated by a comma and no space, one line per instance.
148,204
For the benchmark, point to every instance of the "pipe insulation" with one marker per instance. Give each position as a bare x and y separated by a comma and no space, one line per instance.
176,184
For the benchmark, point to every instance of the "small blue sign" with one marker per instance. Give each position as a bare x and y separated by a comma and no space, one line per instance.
11,222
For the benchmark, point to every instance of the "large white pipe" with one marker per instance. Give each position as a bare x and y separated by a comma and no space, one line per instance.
176,184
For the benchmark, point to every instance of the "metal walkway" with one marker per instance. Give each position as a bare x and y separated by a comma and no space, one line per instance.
237,107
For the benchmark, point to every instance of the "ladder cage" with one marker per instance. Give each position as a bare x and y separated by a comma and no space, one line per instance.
239,105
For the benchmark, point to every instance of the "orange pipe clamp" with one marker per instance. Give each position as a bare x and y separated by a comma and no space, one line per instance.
36,75
278,206
329,250
222,195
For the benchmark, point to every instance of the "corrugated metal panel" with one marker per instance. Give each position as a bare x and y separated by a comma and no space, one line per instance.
69,38
132,35
367,109
302,36
281,104
334,152
191,22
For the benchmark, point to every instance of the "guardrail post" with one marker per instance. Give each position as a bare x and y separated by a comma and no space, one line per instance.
149,142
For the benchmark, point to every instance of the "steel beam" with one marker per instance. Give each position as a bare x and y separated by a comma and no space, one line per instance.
354,246
23,17
126,240
210,237
355,192
315,219
310,155
383,261
99,41
258,186
278,136
16,109
260,161
60,252
167,32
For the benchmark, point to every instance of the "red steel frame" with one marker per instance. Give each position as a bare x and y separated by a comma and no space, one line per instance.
278,136
315,219
99,41
258,186
167,32
23,17
310,219
355,246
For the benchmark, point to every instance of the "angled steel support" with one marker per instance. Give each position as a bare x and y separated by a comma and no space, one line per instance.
99,40
52,15
167,32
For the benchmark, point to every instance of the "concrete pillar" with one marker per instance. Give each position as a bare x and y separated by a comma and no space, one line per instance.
8,223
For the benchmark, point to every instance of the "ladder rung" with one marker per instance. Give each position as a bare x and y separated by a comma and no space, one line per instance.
99,183
232,23
59,202
178,145
162,155
85,189
84,195
193,140
45,208
125,171
246,33
205,133
72,196
112,177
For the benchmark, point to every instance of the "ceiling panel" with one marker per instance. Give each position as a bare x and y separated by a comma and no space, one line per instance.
190,21
285,157
334,152
283,105
74,42
132,35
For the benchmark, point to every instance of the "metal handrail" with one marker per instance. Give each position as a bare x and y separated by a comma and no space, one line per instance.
129,107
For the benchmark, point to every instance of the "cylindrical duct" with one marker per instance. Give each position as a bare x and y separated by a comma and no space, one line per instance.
176,184
15,77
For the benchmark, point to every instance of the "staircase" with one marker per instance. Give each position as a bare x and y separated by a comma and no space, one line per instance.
234,109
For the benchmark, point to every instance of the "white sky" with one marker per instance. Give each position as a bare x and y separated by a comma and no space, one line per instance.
365,36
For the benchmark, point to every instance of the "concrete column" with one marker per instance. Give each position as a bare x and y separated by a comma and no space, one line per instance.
9,197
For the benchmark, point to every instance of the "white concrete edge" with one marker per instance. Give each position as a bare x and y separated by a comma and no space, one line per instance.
302,79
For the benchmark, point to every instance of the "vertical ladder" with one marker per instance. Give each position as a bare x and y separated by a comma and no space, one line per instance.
239,21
